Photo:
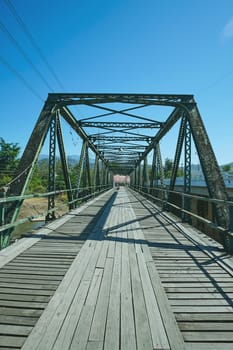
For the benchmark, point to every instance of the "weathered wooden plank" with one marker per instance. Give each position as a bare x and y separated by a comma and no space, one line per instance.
187,276
11,341
94,345
24,297
209,346
17,320
66,333
113,317
201,309
198,295
159,336
193,278
214,336
206,326
48,327
18,330
190,284
33,274
23,281
100,314
128,338
103,255
206,317
12,311
80,338
196,290
200,302
142,327
22,304
36,267
34,285
170,324
59,304
23,244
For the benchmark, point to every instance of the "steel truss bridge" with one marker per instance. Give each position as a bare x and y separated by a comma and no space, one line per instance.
146,265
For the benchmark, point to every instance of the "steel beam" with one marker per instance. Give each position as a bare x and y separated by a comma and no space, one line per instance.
123,125
52,167
26,167
209,163
64,165
118,139
179,146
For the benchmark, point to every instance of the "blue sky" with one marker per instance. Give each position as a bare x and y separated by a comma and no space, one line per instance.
149,46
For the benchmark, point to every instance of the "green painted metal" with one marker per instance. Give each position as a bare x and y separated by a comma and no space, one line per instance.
52,167
209,164
145,179
160,166
80,168
64,165
179,146
26,167
120,146
187,169
187,158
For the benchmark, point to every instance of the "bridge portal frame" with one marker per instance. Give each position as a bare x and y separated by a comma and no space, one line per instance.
185,109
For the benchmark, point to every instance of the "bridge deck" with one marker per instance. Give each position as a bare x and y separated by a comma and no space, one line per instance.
116,274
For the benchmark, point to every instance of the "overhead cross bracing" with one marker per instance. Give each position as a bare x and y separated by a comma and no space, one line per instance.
133,127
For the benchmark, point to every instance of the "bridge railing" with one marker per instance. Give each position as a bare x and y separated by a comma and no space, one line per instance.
199,211
82,195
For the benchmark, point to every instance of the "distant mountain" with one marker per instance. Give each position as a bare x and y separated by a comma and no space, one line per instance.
43,157
71,159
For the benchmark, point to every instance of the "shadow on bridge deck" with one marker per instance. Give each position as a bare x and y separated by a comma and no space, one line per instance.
116,274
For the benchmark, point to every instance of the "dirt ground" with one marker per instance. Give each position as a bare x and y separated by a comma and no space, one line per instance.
38,206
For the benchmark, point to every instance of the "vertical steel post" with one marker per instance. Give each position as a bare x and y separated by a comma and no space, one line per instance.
88,170
153,171
145,175
187,161
52,168
64,165
96,173
80,169
139,176
186,204
179,146
160,166
135,177
209,165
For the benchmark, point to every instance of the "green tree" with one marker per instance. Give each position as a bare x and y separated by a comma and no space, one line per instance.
168,165
226,168
9,153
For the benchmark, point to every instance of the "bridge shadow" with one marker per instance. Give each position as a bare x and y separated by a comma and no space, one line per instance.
201,265
74,220
91,231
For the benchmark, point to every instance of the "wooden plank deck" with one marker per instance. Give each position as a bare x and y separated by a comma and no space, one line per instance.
196,274
116,274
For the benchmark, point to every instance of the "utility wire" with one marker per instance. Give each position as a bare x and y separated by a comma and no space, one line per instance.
33,41
20,77
20,49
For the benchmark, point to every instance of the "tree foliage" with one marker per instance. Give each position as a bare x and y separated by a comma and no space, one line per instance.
9,158
168,165
226,168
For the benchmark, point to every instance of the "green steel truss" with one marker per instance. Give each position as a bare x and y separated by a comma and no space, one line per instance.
120,130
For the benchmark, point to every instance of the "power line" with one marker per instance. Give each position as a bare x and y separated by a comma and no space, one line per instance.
32,40
20,49
20,77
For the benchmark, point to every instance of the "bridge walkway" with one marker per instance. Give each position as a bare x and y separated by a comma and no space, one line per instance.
116,274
